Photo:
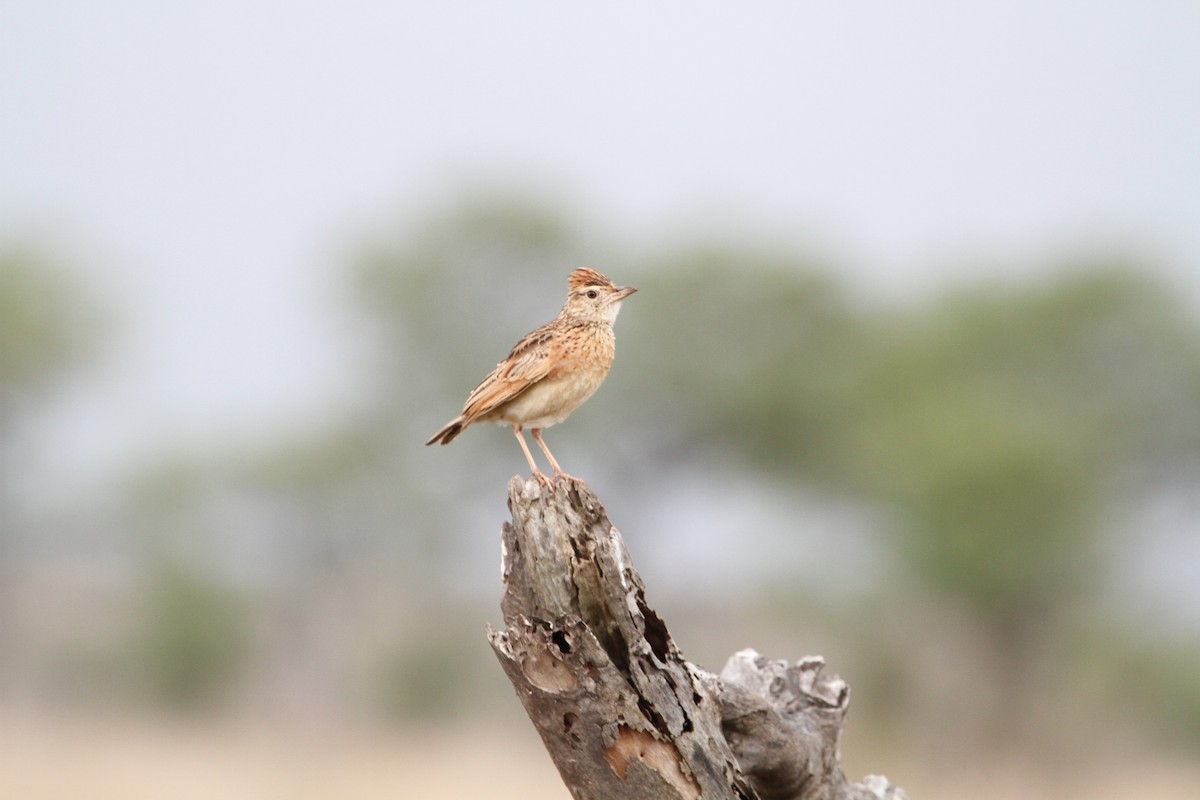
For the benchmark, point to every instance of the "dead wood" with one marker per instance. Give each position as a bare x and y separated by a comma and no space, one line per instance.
623,715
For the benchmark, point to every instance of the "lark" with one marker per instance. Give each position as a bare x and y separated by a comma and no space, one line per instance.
551,371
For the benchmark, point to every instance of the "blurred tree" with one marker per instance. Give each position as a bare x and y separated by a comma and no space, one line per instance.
444,300
47,328
424,289
994,429
359,495
997,429
749,348
192,638
1002,429
1000,424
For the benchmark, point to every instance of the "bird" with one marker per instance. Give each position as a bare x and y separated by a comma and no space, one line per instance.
551,371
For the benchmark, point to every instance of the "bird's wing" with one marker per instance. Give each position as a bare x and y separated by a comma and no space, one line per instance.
529,362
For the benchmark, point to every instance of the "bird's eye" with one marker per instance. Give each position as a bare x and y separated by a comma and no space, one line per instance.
593,294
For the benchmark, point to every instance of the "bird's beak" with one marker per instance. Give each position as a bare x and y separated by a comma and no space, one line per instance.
620,294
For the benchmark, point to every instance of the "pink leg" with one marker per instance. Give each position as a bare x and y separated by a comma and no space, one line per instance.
537,473
558,471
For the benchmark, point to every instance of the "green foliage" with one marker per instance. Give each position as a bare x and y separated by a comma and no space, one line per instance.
193,638
1152,684
46,325
1166,677
430,674
746,349
993,430
425,291
998,424
990,426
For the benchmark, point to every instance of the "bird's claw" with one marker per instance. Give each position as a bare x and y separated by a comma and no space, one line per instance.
562,476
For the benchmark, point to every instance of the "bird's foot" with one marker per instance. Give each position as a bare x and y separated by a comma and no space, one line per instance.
543,480
560,475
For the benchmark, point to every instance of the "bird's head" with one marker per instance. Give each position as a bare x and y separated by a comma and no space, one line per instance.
592,297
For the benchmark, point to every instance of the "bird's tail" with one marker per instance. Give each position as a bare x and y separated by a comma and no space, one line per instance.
446,435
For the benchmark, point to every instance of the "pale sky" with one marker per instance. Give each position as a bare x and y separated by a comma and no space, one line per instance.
205,162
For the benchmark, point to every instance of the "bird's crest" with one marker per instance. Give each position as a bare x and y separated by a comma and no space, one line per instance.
586,276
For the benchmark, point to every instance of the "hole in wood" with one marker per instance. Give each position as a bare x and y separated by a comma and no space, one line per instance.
656,631
545,670
569,720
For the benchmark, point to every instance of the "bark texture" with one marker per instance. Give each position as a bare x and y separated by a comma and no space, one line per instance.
623,715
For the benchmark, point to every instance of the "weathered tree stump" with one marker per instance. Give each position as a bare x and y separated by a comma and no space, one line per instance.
622,714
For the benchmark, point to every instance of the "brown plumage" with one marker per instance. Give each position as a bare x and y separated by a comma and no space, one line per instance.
552,370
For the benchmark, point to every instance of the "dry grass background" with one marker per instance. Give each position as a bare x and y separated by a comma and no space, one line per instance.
128,759
43,758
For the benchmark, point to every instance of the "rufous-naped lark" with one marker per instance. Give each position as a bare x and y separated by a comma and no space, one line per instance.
551,371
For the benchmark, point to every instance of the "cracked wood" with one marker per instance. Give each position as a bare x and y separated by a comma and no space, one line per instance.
622,714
